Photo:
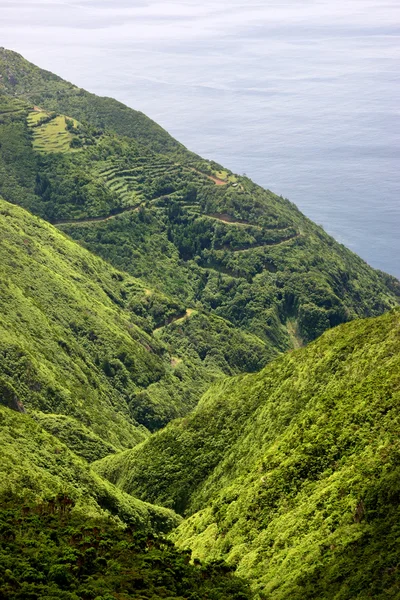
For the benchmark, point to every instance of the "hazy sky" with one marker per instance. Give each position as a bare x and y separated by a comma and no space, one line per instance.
65,28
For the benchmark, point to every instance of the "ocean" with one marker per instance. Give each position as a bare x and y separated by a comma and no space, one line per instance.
301,95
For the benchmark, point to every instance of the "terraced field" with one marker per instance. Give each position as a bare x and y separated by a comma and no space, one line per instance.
152,180
126,187
146,178
11,109
36,117
50,133
141,180
226,176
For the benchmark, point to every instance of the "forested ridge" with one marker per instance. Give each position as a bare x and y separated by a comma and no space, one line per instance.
159,374
290,474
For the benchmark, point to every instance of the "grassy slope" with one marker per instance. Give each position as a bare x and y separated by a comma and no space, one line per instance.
77,340
239,252
68,346
23,79
67,534
291,474
70,354
35,466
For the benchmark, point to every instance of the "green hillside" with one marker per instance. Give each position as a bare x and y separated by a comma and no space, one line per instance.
36,467
211,240
79,371
56,555
39,87
68,344
85,342
291,475
76,558
159,353
67,534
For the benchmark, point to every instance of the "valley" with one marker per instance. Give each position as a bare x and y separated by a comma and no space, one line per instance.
199,387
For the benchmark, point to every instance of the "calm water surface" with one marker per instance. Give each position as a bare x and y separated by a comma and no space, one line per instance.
302,96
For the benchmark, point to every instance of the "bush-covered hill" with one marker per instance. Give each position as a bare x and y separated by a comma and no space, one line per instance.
35,467
69,344
69,535
77,342
20,78
291,475
208,238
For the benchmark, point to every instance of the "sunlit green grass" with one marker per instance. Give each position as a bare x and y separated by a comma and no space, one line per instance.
50,136
226,176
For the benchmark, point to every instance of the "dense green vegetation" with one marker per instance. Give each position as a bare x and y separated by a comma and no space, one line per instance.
77,340
25,80
232,250
47,552
67,344
186,226
36,466
67,534
291,475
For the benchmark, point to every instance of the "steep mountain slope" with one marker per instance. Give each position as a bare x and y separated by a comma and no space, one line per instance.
209,238
77,342
18,77
67,344
35,466
74,355
70,558
50,554
67,534
292,474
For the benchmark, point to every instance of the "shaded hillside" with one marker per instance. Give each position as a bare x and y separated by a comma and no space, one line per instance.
66,534
50,554
77,342
35,467
292,474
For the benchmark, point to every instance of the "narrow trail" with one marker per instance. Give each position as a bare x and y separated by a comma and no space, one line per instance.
216,180
266,244
177,319
121,211
221,271
228,220
98,219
